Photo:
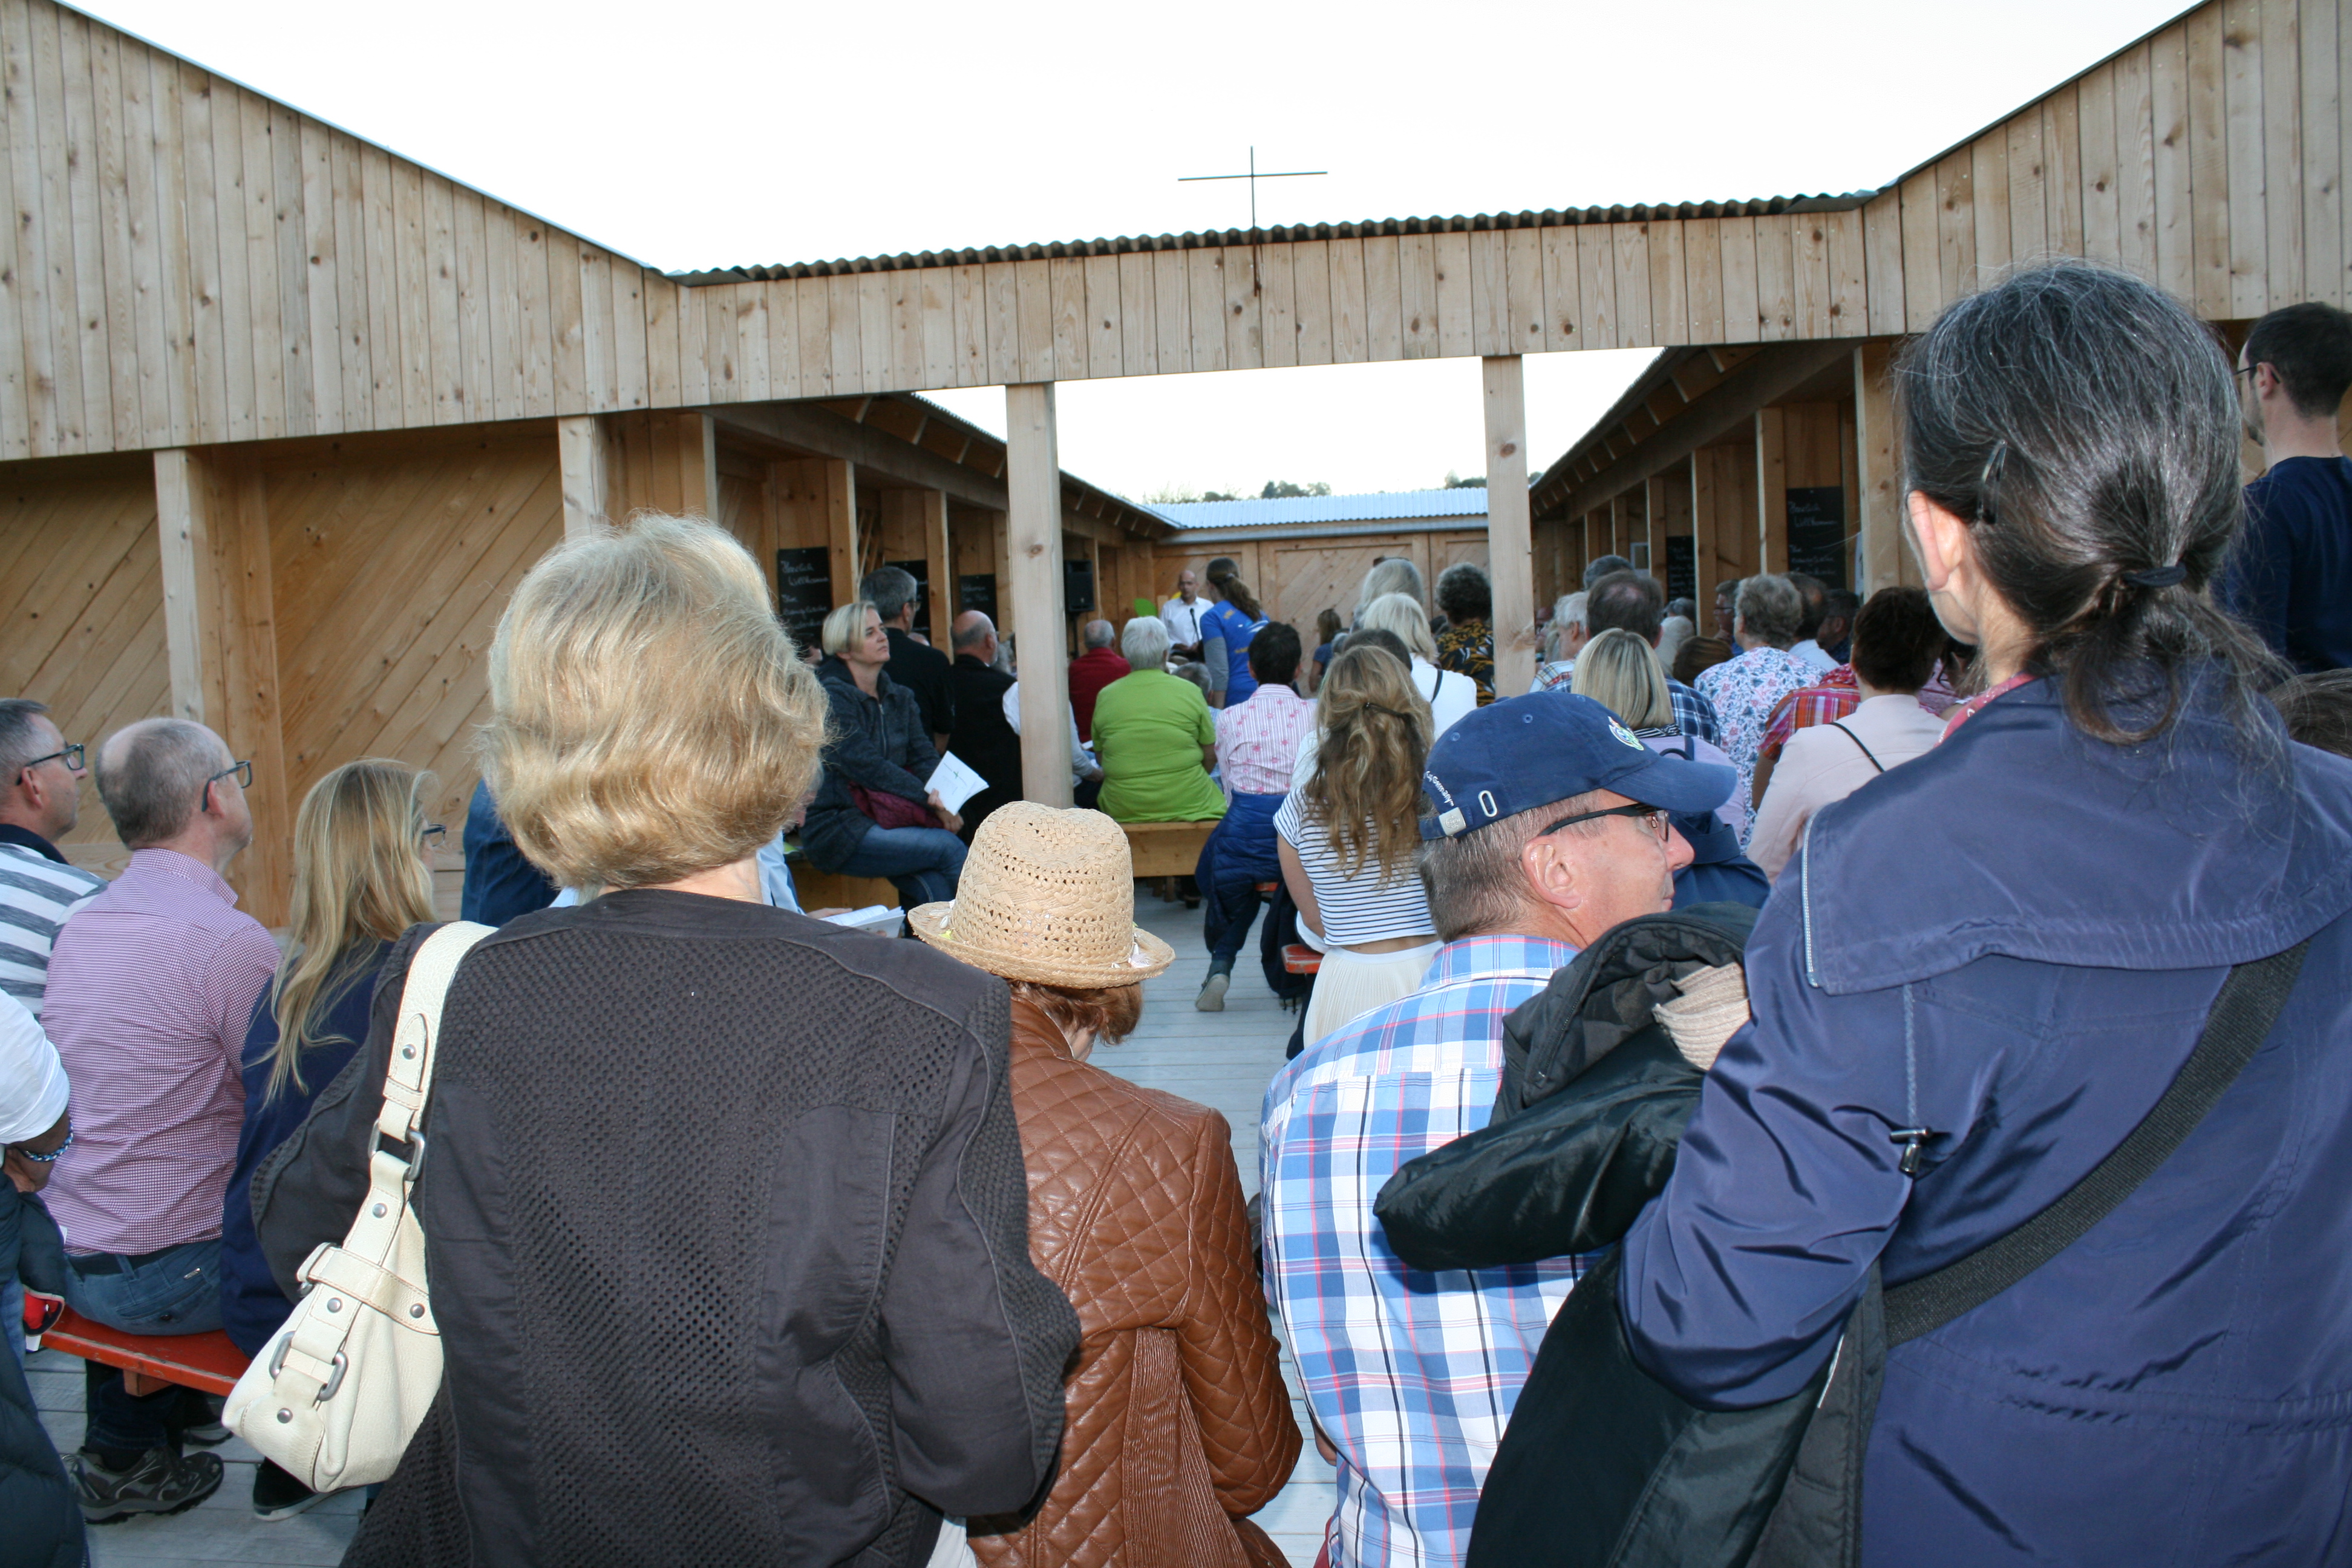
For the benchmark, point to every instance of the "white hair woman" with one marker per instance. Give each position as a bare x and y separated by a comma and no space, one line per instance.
678,1106
1450,695
1155,736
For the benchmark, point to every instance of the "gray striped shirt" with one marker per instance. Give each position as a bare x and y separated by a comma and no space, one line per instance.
37,894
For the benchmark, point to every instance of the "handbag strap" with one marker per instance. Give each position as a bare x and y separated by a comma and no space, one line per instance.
2251,1001
408,1079
1839,724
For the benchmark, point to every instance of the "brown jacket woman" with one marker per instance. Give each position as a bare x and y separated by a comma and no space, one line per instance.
1178,1420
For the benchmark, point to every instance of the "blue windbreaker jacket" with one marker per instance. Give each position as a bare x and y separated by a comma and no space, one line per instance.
2014,940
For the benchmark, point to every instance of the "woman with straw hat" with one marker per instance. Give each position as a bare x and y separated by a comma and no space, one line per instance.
1177,1422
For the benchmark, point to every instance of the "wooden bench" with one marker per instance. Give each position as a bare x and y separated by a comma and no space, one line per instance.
151,1363
1297,958
1167,849
830,890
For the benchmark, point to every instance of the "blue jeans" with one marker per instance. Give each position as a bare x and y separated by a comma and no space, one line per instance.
922,863
175,1291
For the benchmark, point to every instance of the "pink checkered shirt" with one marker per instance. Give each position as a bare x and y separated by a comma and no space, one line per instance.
1258,740
151,985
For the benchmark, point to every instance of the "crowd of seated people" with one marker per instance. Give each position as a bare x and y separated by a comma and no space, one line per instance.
955,1293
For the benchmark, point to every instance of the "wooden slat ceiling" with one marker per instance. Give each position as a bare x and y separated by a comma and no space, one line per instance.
194,263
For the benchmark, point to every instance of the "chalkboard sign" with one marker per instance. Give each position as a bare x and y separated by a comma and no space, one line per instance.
1682,567
977,592
1817,545
804,591
920,570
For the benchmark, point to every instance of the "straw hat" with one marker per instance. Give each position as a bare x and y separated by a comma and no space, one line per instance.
1046,895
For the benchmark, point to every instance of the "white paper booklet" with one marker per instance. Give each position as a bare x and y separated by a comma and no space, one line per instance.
955,783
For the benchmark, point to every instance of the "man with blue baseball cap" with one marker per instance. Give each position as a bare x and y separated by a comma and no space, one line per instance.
1548,823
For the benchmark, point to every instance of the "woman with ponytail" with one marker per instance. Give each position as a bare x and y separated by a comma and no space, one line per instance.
1983,970
1351,836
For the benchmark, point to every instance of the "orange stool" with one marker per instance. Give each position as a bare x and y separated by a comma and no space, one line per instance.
152,1363
1297,958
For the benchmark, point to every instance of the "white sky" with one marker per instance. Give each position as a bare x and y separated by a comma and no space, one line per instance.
734,131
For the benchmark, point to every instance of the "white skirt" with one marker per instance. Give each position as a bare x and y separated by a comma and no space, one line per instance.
1350,984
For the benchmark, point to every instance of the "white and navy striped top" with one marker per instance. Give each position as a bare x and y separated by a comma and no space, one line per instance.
1355,910
37,894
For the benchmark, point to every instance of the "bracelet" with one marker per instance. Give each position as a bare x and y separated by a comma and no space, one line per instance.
51,1157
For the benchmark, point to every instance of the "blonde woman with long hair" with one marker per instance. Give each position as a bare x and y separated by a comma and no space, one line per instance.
1621,671
1350,837
361,878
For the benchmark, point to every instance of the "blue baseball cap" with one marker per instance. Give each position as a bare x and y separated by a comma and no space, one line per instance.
1529,752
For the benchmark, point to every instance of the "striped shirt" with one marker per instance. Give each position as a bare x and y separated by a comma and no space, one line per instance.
37,893
1411,1374
1352,910
151,988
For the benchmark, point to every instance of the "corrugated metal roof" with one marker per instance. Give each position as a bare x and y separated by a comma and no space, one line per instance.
1468,502
1283,235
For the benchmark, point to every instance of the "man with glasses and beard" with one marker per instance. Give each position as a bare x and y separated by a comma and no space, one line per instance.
1548,827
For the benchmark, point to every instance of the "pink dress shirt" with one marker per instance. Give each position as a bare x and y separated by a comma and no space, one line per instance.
1258,740
151,988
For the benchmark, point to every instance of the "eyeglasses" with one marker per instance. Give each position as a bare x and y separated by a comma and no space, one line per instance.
72,755
434,834
244,773
1649,817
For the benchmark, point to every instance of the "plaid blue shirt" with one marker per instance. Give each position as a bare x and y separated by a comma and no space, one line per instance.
1412,1375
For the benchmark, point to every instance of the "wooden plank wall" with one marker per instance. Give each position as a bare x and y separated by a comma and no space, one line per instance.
195,263
81,619
383,653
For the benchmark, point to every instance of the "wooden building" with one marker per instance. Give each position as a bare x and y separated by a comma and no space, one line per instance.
283,414
1302,554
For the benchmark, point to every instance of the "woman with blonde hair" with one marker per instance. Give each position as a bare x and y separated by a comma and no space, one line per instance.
361,876
1179,1424
1449,694
724,1206
1350,837
875,813
1621,671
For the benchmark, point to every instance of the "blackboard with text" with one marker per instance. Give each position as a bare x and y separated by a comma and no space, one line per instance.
804,591
1682,567
1817,533
977,592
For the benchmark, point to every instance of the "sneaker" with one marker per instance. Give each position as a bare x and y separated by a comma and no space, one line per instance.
277,1495
210,1435
1212,998
161,1482
200,1414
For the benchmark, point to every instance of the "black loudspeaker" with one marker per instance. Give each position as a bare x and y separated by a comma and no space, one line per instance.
1078,587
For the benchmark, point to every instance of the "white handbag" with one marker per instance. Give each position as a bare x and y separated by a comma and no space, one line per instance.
335,1396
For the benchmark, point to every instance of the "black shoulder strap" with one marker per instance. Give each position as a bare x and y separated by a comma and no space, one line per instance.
1838,725
2249,1003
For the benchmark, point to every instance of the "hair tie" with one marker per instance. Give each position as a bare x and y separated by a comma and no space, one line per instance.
2158,576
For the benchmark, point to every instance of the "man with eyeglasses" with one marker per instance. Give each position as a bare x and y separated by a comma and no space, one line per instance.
1549,823
39,805
150,987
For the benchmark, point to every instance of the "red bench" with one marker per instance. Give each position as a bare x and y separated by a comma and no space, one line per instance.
150,1362
1301,959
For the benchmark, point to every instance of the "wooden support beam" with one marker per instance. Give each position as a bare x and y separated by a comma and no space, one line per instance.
840,480
1654,510
1883,563
221,649
809,428
1704,503
1510,546
1033,537
579,445
939,553
1771,491
1761,379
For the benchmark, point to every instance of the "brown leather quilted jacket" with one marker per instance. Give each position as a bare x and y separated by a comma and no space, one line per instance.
1178,1420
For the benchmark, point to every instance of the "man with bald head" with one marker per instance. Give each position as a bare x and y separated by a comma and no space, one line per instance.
150,989
983,737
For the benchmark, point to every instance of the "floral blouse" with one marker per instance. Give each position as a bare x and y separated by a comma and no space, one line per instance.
1744,691
1468,647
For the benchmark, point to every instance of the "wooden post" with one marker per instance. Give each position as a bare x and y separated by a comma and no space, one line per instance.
1032,484
1771,491
939,553
1702,509
840,526
579,444
1881,486
1510,549
221,649
1653,528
